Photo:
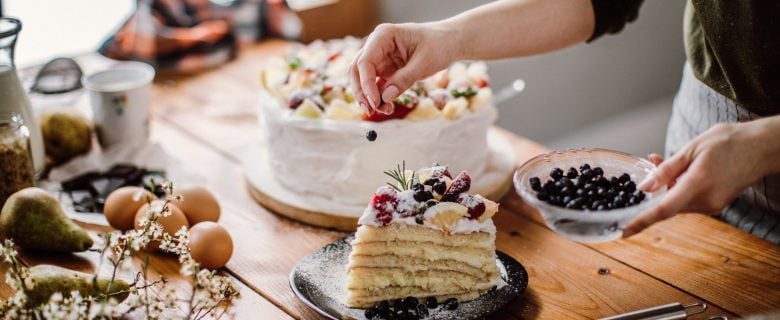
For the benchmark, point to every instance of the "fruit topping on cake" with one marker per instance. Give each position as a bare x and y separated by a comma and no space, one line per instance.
423,238
315,77
438,200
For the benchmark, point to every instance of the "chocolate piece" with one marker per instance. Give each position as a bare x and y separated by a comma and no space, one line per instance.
90,190
81,182
121,170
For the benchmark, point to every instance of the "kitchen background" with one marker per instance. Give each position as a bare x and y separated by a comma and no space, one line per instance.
615,92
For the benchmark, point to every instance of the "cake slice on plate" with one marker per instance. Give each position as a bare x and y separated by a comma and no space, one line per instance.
423,236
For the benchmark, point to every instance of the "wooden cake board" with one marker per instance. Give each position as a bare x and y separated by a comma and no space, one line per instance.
326,213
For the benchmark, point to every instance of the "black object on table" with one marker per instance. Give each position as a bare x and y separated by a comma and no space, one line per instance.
90,190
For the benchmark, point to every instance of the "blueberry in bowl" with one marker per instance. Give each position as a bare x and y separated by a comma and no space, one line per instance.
586,195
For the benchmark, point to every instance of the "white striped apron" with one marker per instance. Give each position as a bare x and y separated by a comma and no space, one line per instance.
697,107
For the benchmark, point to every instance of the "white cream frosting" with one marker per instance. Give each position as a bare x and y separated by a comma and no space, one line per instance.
464,226
334,160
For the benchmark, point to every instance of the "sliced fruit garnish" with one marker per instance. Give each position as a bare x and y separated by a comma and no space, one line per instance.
334,55
442,171
425,110
479,207
402,105
399,112
433,173
454,108
461,184
446,215
440,97
491,208
308,109
477,72
333,93
340,110
483,98
475,205
384,202
297,96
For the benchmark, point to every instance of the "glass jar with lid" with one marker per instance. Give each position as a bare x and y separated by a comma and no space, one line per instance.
13,97
16,163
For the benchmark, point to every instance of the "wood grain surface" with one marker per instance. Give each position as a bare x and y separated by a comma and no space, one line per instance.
205,121
160,265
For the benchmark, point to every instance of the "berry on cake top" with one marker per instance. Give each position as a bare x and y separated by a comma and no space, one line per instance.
312,82
433,198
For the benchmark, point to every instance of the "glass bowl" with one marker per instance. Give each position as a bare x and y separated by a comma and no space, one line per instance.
584,225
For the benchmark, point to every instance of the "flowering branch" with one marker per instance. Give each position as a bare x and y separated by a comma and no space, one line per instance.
212,295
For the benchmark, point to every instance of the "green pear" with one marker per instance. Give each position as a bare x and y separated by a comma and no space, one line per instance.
65,135
34,219
49,279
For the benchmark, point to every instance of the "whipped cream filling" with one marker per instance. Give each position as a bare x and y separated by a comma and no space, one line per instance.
333,159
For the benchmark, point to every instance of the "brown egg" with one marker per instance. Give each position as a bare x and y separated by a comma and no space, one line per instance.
170,224
198,204
122,204
210,245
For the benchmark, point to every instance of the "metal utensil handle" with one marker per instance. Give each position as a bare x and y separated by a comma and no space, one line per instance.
672,311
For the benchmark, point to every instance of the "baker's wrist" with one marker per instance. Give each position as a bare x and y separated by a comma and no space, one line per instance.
767,140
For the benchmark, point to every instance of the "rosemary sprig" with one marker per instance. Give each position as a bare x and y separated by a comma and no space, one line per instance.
399,175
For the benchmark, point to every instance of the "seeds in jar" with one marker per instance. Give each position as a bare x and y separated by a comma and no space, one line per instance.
16,171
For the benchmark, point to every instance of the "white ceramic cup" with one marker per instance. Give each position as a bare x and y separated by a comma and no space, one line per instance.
120,98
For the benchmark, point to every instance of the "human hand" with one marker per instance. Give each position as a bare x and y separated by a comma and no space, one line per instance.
394,57
706,174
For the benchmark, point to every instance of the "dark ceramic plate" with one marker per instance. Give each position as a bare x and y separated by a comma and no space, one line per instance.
318,280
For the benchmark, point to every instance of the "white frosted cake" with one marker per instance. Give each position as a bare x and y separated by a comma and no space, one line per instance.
316,135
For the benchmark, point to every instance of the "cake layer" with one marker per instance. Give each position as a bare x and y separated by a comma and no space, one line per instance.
366,299
419,264
367,278
471,256
349,168
417,233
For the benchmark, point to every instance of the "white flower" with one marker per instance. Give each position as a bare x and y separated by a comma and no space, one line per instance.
211,295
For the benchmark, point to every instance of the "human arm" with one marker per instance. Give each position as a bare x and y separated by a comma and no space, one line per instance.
396,55
712,170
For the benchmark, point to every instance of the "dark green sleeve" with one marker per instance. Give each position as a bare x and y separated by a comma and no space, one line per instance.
613,15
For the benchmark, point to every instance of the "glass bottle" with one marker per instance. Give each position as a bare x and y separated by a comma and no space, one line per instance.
13,98
16,163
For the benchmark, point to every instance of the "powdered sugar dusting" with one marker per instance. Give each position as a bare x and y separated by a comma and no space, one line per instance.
470,202
320,281
406,202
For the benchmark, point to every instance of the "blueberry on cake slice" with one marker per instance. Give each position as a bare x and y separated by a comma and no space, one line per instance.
423,236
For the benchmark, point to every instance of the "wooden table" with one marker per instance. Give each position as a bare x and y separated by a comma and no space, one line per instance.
207,121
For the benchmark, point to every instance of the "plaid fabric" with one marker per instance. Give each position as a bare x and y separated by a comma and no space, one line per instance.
697,107
186,36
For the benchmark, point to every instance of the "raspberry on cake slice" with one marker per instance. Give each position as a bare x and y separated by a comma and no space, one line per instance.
423,236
